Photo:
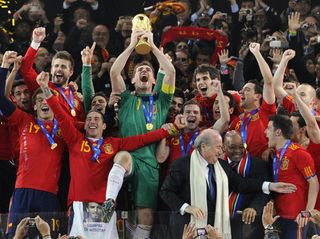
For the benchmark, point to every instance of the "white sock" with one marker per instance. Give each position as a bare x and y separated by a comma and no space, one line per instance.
142,231
115,180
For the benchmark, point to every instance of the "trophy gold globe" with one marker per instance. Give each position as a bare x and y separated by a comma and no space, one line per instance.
141,22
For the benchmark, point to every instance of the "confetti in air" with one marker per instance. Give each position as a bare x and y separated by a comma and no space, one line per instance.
7,22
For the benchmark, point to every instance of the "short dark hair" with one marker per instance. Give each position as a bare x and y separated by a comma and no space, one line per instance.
37,92
65,56
93,110
203,68
301,122
318,93
15,84
100,93
232,102
283,123
257,86
191,102
178,93
142,63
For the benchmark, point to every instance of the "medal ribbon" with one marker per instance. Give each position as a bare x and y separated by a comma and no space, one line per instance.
184,151
148,114
235,199
70,102
96,149
49,137
244,129
276,166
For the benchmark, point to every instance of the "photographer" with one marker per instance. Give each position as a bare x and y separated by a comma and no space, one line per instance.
27,224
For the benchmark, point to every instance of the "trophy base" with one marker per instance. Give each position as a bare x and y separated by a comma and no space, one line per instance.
143,49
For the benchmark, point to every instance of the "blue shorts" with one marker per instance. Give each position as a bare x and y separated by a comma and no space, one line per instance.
28,202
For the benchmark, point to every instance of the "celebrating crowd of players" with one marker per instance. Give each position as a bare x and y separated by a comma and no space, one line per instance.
270,134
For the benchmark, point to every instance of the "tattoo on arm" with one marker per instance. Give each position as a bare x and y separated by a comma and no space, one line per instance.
47,92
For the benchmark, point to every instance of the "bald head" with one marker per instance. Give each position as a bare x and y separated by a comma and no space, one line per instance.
209,144
100,35
307,93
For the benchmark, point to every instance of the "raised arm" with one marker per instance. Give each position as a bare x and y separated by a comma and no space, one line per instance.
166,65
279,74
268,92
312,125
117,82
6,106
28,73
12,75
68,131
86,76
221,124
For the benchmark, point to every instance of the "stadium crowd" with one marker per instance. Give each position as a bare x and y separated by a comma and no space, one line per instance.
212,133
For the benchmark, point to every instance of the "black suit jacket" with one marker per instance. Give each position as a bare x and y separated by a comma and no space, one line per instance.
256,200
175,191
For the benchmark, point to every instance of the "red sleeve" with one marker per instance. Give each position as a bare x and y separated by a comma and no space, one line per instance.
234,123
69,132
305,163
288,104
18,119
29,75
134,142
267,110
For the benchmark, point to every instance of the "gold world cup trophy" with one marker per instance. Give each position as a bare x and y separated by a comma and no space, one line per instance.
141,22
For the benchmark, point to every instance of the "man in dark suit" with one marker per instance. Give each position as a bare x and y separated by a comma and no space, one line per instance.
247,224
176,189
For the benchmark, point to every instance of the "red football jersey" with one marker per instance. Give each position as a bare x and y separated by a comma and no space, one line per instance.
256,139
288,104
29,75
206,104
297,166
174,144
88,177
39,166
314,150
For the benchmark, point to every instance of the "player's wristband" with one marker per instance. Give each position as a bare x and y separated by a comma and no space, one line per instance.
292,33
174,130
46,236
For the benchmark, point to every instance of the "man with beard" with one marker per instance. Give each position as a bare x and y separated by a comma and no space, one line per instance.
176,105
247,225
291,164
96,162
34,190
180,146
9,135
254,121
140,113
61,71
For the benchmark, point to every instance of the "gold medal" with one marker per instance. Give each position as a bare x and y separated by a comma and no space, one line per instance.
149,126
73,112
54,145
245,145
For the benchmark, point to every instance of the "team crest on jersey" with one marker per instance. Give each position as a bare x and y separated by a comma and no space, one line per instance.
285,164
108,149
175,141
56,93
59,132
293,147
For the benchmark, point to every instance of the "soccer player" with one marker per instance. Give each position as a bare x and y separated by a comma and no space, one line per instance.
39,166
181,145
254,121
61,71
91,162
140,113
291,164
306,91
